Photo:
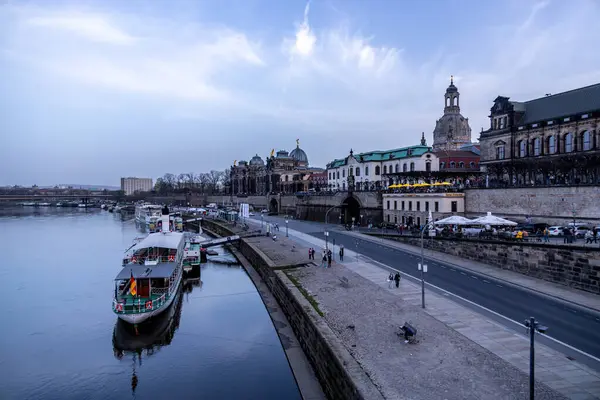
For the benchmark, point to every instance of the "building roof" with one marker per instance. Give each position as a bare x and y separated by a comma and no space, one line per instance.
161,270
299,155
456,153
167,240
378,155
585,99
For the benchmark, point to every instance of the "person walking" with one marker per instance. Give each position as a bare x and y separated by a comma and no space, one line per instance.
329,259
390,280
397,279
341,253
310,253
324,259
546,235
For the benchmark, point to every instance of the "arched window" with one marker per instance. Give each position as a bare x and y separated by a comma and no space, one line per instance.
442,165
397,168
537,146
551,145
367,170
428,166
338,174
404,168
452,164
461,164
377,170
343,173
522,148
500,151
385,169
286,178
357,171
412,167
471,164
568,142
586,139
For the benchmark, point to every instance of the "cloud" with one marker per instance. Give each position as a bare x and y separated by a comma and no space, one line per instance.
93,27
319,78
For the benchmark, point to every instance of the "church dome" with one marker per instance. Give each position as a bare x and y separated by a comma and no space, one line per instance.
257,161
299,155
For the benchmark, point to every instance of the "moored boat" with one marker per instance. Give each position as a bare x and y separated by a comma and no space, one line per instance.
151,275
145,212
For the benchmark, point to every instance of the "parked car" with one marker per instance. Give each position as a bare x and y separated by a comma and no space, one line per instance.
555,230
580,231
264,211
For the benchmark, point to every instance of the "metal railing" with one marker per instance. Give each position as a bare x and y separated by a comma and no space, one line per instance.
138,305
142,259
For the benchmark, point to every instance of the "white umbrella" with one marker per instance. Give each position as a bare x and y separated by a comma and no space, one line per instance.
492,220
454,220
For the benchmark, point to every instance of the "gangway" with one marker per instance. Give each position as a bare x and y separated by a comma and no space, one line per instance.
219,241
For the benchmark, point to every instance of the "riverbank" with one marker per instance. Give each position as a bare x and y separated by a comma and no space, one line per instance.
361,320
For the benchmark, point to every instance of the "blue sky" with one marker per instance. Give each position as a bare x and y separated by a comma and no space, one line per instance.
96,90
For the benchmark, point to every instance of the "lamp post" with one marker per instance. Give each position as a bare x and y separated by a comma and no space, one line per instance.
422,266
286,228
262,219
533,326
326,241
574,211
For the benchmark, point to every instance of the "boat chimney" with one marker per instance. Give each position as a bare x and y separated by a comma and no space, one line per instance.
165,219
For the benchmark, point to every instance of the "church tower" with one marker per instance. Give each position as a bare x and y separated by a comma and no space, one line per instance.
452,130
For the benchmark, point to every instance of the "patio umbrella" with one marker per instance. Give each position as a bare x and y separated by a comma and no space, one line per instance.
492,220
454,220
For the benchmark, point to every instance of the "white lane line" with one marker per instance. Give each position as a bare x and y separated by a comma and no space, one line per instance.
518,324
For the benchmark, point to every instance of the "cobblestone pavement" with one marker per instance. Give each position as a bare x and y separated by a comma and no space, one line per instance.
570,378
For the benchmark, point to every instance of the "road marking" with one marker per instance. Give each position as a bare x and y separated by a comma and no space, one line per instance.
442,266
463,273
486,281
499,285
452,269
519,324
474,277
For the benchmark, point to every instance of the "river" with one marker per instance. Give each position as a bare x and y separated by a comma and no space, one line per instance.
58,341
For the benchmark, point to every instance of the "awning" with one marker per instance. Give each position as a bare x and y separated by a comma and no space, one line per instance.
162,270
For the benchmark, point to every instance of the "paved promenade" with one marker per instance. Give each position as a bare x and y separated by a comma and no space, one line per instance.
382,316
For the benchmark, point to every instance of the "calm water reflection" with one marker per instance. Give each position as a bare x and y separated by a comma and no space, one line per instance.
60,339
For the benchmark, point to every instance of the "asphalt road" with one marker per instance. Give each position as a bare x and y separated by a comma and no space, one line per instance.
574,326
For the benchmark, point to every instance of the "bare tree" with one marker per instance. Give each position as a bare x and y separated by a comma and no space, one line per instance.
213,180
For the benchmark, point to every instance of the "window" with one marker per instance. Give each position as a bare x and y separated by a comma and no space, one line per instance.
454,206
388,204
426,206
522,148
505,122
418,206
586,139
410,206
388,217
436,206
412,167
537,147
551,145
357,171
500,152
395,205
428,166
385,169
404,168
461,164
367,171
442,165
452,164
329,175
377,170
395,219
471,164
343,173
403,205
419,221
338,174
397,168
568,143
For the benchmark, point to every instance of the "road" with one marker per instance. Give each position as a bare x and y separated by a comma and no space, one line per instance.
571,325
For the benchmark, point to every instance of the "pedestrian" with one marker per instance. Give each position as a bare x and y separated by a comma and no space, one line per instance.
390,280
341,253
397,279
546,235
310,253
329,259
324,259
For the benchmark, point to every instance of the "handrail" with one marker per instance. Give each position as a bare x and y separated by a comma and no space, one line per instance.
142,305
133,259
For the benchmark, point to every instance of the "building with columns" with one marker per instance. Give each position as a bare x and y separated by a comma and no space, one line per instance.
283,172
552,140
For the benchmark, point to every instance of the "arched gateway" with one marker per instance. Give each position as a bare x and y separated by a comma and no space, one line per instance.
350,208
273,206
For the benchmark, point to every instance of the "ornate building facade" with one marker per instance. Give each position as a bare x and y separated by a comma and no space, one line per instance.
281,173
552,140
452,130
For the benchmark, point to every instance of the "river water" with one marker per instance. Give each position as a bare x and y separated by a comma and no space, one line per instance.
60,339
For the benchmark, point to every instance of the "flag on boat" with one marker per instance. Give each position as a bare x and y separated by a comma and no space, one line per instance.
132,285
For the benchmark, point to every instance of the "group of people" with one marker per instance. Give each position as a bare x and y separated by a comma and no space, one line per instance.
394,278
327,256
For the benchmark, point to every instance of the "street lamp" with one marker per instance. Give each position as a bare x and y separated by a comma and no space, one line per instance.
262,218
286,228
422,266
326,237
532,326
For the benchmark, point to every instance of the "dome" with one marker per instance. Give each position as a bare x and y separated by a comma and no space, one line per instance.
451,131
257,161
299,155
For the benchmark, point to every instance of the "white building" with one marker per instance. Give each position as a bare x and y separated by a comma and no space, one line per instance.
414,208
131,185
370,170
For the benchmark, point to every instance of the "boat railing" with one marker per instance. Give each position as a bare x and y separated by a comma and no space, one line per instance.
138,305
151,259
157,291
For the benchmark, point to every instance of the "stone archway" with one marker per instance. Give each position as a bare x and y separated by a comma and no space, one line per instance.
274,206
350,208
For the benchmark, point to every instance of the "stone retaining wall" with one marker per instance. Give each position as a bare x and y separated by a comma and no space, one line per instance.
576,267
341,377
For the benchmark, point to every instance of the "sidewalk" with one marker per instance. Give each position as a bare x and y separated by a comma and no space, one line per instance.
570,378
576,296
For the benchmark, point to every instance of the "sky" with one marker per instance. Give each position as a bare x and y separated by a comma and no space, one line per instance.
91,91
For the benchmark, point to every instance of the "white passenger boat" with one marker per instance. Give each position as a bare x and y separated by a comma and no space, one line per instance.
151,275
146,213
